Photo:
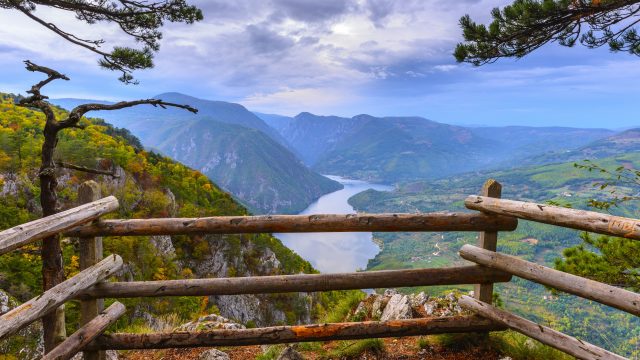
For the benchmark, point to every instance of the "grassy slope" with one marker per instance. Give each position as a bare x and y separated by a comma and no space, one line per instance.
614,330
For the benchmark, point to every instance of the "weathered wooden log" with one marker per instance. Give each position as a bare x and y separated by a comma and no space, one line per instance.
299,224
21,235
90,254
297,283
559,216
291,334
589,289
556,339
488,240
37,307
76,342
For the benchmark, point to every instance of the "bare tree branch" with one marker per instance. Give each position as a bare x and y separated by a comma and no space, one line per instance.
78,112
86,169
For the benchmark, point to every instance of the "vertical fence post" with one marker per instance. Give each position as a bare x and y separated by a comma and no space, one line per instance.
488,240
90,254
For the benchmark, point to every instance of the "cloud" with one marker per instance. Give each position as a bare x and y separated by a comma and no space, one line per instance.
326,56
314,11
290,102
263,40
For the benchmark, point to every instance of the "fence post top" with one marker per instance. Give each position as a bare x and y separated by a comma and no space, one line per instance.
492,188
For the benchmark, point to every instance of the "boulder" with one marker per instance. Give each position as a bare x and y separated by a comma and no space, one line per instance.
451,297
209,322
213,354
289,353
390,292
419,300
397,308
376,307
109,355
430,307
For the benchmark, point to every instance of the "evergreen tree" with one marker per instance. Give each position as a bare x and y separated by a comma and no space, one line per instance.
608,259
139,19
525,25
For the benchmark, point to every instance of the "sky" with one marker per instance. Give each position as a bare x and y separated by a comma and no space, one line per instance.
338,57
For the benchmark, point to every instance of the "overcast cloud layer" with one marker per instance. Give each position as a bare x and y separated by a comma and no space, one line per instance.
342,57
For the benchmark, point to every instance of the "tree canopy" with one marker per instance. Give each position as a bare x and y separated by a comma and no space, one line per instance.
140,20
526,25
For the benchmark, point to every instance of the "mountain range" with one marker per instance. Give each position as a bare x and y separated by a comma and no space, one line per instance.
271,163
396,149
232,146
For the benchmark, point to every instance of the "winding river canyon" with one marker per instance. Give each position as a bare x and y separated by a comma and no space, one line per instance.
336,252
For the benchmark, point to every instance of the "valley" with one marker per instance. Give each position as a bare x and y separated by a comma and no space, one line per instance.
336,252
272,164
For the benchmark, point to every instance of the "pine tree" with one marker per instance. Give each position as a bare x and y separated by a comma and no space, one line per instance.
140,20
526,25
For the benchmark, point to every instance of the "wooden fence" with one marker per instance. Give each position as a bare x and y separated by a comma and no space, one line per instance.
90,285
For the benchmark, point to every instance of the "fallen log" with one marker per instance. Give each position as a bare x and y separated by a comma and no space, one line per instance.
299,224
76,342
37,307
17,236
559,216
297,283
589,289
556,339
291,334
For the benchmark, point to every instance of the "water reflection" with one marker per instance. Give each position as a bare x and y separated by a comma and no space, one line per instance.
335,252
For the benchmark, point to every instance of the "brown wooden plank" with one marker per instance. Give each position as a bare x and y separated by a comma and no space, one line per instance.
589,289
556,339
37,307
298,283
488,240
76,342
21,235
299,224
560,216
291,334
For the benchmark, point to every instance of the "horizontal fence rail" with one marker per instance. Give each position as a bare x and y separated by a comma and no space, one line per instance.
440,221
24,234
292,334
560,341
589,289
76,342
37,307
559,216
298,283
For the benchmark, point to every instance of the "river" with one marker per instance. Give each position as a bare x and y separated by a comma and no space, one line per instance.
336,252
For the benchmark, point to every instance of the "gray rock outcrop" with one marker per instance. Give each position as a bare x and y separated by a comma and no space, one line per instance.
289,353
398,307
213,354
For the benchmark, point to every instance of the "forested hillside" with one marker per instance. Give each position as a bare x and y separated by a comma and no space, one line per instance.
561,183
230,145
396,149
147,185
